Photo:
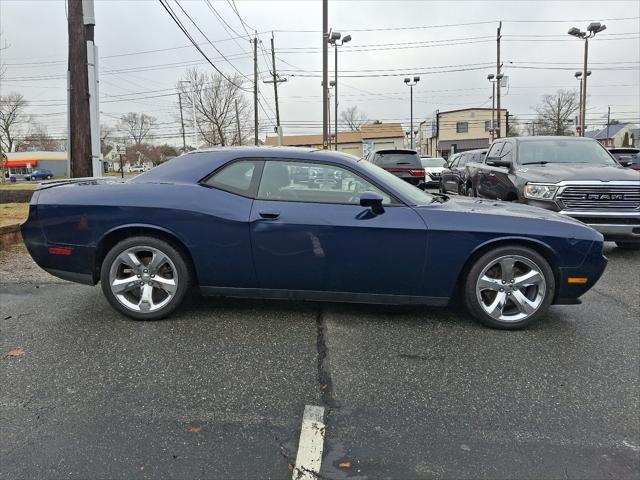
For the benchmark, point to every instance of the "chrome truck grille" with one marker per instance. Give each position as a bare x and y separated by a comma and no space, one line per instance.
600,197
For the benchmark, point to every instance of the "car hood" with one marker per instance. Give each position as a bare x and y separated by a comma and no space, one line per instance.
553,173
508,218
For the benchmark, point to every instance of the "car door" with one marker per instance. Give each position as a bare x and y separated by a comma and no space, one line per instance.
447,177
320,239
485,177
502,188
458,172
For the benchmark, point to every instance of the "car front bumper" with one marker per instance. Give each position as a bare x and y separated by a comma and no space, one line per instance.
614,226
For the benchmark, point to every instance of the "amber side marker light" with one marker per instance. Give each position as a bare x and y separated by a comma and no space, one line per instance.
580,280
60,251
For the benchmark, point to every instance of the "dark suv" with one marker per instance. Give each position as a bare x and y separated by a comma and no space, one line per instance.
405,164
574,176
627,156
453,178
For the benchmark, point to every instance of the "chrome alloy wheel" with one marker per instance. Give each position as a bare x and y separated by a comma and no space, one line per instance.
511,288
143,279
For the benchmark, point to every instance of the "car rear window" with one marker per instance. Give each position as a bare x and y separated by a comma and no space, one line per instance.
388,159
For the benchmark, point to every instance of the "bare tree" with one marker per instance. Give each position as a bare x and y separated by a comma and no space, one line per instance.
513,126
137,126
39,140
353,118
555,113
14,121
106,136
220,106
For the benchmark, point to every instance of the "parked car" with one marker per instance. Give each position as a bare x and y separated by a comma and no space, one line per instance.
404,164
136,169
39,174
454,176
233,222
574,176
433,167
627,156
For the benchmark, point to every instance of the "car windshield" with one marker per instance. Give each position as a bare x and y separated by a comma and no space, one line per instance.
413,194
560,150
433,162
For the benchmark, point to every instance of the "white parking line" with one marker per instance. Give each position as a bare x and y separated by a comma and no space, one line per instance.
309,457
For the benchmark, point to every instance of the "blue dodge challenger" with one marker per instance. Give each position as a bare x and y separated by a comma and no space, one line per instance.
306,224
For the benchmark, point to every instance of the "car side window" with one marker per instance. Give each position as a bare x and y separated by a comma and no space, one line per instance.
313,182
454,162
507,152
239,177
464,159
494,151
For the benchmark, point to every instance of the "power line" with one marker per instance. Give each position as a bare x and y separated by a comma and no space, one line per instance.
186,33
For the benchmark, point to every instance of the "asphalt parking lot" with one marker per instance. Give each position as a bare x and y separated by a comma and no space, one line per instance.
219,389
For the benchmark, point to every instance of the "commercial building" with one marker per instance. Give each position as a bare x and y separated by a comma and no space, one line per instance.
371,137
20,163
459,131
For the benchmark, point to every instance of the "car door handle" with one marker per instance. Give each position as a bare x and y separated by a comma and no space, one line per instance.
269,215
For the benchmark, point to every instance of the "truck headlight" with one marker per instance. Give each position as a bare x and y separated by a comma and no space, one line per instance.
540,191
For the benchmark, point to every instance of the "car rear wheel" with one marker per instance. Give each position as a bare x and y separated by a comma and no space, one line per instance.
48,177
145,278
509,287
33,178
628,245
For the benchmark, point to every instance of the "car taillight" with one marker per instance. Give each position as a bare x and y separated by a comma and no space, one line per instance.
417,173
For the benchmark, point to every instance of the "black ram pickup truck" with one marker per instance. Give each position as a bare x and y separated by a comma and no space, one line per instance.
574,176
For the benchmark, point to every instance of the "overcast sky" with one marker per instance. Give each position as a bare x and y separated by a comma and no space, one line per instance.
451,45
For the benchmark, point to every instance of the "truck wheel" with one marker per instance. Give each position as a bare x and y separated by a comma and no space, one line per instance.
145,278
509,287
628,245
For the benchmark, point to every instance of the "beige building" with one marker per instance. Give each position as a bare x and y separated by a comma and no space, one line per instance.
459,130
369,138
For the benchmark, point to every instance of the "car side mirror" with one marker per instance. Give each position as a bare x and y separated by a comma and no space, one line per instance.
373,201
498,162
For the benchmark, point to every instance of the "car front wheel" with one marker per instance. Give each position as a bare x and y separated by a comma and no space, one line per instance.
145,278
509,287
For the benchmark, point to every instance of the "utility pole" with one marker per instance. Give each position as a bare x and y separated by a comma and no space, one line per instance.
583,98
498,81
79,109
184,140
255,90
608,123
275,80
325,73
559,120
335,95
238,124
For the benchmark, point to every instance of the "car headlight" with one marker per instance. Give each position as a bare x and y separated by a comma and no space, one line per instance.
540,191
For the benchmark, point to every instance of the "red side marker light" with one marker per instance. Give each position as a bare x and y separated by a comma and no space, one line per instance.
60,251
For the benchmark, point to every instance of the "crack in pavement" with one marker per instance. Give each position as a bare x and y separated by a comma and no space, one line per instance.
324,373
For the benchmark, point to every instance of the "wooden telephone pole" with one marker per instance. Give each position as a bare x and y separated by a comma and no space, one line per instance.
498,82
79,110
275,80
255,90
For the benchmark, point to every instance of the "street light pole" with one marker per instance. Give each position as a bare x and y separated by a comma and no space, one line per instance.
333,40
410,84
591,32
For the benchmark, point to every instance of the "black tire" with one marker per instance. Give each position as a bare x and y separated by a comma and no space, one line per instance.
48,177
181,264
33,178
471,296
628,245
469,191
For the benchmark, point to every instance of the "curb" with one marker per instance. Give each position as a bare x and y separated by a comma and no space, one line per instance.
10,235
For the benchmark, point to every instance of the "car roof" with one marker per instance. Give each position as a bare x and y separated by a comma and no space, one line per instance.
195,165
549,137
